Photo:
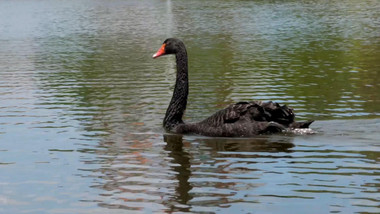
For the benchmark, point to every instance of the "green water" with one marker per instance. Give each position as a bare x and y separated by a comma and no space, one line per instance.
82,102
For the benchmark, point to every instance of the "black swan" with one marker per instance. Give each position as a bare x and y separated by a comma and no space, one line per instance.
242,119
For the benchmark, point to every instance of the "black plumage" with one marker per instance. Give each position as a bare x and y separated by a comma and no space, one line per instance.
242,119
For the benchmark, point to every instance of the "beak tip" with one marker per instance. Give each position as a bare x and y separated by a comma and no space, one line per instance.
160,52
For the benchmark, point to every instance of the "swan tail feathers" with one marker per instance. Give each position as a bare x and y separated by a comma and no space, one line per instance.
304,124
273,127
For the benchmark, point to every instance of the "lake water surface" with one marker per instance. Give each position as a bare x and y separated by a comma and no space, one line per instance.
82,103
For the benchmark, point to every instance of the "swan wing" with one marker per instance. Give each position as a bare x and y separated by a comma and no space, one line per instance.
272,112
246,119
250,112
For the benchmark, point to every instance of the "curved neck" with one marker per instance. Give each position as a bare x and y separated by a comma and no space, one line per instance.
177,105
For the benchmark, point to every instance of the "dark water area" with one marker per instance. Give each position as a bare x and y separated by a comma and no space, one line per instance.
82,103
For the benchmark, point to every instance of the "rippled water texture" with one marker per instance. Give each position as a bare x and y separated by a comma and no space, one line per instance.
82,103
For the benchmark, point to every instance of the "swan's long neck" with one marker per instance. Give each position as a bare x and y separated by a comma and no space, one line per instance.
178,103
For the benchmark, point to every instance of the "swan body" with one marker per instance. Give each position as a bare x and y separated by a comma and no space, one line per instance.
242,119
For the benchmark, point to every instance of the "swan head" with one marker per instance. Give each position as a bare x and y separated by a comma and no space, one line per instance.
170,46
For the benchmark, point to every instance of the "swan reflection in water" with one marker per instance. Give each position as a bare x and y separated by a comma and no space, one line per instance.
206,167
182,173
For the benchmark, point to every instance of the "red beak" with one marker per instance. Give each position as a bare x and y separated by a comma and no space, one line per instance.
160,52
